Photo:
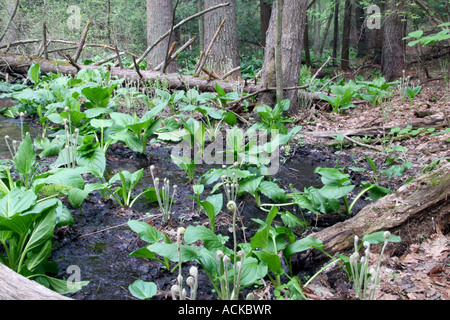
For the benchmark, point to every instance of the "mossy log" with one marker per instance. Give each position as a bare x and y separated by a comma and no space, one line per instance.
415,200
20,64
13,286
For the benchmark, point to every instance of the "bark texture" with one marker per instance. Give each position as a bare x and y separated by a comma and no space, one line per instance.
415,200
159,20
13,286
224,54
393,55
294,19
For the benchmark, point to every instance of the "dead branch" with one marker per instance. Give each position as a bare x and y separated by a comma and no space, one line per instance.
175,55
10,21
229,73
82,41
205,56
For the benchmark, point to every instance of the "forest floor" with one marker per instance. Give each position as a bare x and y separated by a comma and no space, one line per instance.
416,269
419,269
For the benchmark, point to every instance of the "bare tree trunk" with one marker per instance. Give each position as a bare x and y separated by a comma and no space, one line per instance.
294,19
159,20
201,26
278,51
345,53
265,13
361,31
224,54
393,54
324,37
336,31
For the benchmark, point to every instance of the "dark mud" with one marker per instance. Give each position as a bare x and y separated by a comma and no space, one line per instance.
100,240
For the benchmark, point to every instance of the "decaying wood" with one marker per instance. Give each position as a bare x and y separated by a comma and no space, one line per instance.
20,64
372,131
13,286
391,212
82,41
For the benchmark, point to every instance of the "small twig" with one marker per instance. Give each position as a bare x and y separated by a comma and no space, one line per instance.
363,144
226,75
136,66
205,56
117,226
44,39
82,41
169,49
211,74
175,55
72,61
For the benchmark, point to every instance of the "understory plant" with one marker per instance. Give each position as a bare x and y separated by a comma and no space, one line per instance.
366,278
165,200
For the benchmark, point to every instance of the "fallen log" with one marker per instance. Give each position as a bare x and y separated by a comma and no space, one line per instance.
14,286
415,201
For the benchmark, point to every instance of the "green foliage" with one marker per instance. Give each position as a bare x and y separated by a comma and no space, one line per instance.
342,96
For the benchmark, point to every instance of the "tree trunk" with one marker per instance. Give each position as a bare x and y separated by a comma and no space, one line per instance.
201,26
294,19
361,31
306,44
324,37
393,54
159,20
336,31
224,54
265,13
13,286
345,53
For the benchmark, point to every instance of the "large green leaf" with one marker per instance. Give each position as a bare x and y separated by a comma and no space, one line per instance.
15,202
252,270
272,190
25,157
95,159
145,231
37,258
170,251
34,73
42,232
261,238
211,240
143,289
302,245
272,260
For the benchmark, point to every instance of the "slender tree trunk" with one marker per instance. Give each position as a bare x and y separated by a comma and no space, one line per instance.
294,19
224,54
201,26
336,31
361,31
159,20
324,37
265,12
345,53
306,43
278,51
393,54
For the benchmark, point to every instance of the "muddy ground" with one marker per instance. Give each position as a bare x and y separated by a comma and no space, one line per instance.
100,240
